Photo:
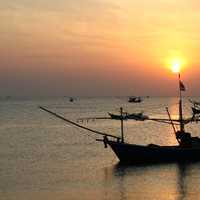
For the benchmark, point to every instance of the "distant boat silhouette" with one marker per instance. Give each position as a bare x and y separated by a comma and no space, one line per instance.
195,107
71,99
125,116
135,100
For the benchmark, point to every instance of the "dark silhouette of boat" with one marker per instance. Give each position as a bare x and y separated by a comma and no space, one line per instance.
196,111
132,153
118,117
71,99
195,107
188,148
135,100
195,103
125,116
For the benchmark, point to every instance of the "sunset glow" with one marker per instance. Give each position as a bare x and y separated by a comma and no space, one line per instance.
176,63
95,45
176,66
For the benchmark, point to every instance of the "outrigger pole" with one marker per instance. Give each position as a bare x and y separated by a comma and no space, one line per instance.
75,124
172,123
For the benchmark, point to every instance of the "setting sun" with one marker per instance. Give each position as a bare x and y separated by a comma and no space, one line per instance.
176,67
175,64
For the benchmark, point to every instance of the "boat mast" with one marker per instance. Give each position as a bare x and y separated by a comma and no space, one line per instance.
180,105
122,124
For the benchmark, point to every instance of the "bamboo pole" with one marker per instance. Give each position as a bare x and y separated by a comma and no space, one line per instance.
75,124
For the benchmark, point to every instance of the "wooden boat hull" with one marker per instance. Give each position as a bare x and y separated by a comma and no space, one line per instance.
135,116
118,117
134,101
131,153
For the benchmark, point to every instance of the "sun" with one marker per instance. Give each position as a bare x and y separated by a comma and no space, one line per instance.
176,68
176,65
176,62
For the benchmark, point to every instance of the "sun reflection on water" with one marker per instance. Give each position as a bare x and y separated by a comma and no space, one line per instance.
152,182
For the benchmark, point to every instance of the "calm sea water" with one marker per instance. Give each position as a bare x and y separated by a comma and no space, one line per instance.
42,157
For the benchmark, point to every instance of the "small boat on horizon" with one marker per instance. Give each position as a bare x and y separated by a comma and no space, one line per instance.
134,99
71,99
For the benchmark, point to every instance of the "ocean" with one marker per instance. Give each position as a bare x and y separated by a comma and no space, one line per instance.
42,157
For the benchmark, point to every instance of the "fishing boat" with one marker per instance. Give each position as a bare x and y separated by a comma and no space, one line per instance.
118,117
187,149
71,99
135,100
196,111
195,107
195,103
126,116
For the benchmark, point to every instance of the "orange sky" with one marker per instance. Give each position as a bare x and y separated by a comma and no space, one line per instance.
97,47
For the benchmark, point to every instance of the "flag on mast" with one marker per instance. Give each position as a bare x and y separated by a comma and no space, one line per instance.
182,86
